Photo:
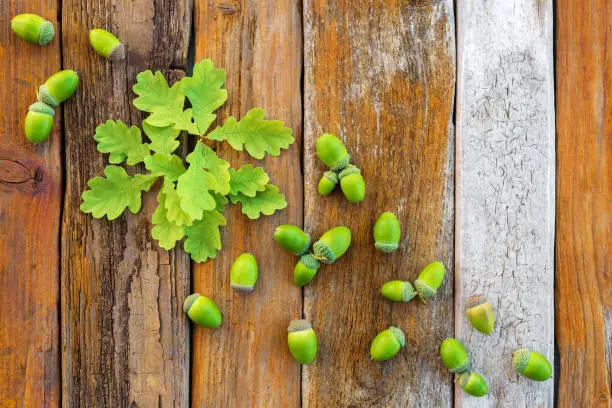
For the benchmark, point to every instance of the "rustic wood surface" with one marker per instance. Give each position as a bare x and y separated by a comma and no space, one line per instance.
380,75
584,130
505,191
246,362
91,310
124,335
30,206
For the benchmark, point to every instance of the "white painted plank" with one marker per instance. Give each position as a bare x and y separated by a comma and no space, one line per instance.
505,190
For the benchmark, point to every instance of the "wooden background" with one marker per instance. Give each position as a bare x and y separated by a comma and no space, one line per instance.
484,125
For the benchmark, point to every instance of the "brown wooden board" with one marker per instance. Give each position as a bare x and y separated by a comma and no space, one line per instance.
584,129
380,75
30,206
246,362
124,336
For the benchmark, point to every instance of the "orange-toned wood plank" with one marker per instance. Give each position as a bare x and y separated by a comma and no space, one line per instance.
380,75
246,362
125,340
30,205
584,131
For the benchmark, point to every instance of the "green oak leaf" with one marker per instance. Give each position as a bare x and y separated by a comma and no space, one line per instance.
122,142
165,104
219,168
173,206
163,139
185,122
109,196
265,202
248,180
169,166
204,91
253,132
165,231
221,201
195,185
203,237
145,181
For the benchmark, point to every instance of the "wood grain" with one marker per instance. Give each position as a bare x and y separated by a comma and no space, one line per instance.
584,131
124,336
246,362
380,75
505,191
30,206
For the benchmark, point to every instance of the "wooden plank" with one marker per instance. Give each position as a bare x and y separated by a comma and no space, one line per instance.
30,206
124,336
505,190
584,131
246,362
380,75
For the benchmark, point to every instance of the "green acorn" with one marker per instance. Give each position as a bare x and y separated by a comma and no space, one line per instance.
429,280
454,355
387,343
387,232
292,238
332,152
531,364
332,244
473,384
106,44
39,122
302,341
33,28
480,313
305,270
328,182
244,273
202,311
398,291
58,87
352,184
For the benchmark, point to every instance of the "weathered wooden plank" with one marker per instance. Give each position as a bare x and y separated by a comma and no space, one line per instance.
30,206
246,361
124,337
505,190
584,131
380,75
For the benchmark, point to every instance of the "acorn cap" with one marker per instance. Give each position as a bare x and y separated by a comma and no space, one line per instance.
41,107
331,176
520,359
305,270
399,335
310,261
118,53
189,301
299,325
351,169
